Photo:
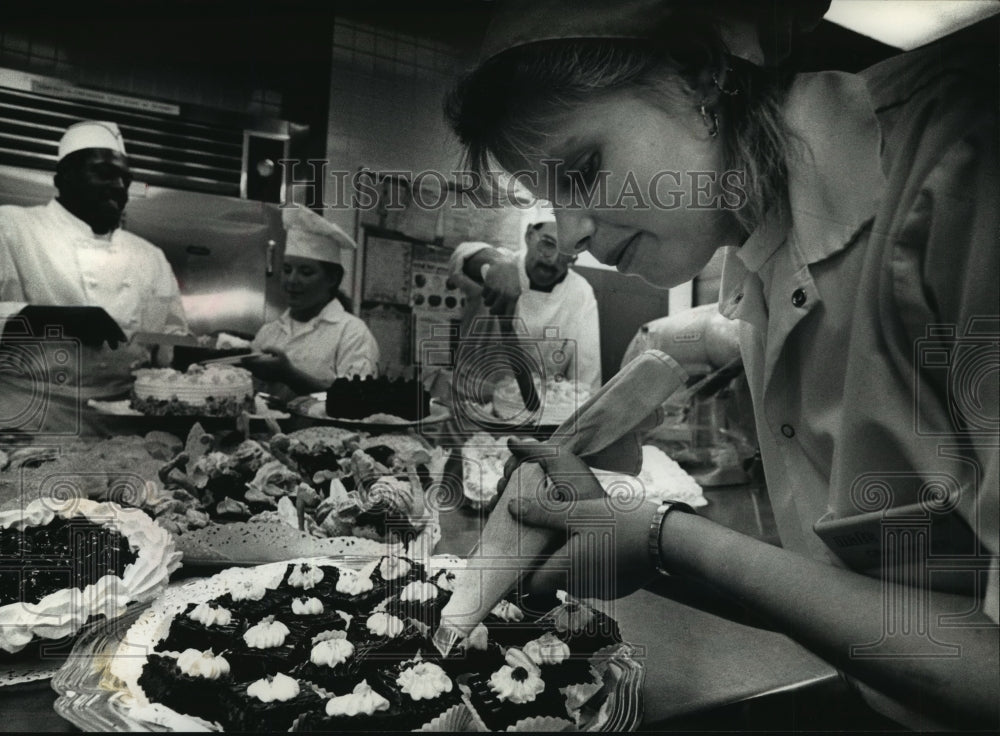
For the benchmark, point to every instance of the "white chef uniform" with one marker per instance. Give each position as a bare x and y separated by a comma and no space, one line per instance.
563,323
334,343
331,345
48,256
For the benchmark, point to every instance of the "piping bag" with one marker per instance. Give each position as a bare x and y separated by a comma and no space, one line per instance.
604,430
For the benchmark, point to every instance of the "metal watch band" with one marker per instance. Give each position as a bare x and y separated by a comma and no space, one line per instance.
654,530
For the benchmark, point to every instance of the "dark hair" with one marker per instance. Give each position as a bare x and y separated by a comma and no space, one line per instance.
502,110
335,272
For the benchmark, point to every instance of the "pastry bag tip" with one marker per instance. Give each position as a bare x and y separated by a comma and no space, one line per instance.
445,639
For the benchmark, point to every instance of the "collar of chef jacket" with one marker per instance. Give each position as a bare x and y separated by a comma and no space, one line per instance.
835,184
333,312
74,224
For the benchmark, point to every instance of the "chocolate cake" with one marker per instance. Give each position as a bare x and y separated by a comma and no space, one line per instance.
52,547
582,628
203,624
360,709
513,692
419,688
476,653
267,705
170,679
266,648
66,553
306,656
360,398
332,663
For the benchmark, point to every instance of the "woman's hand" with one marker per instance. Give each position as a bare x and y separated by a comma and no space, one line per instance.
272,366
606,553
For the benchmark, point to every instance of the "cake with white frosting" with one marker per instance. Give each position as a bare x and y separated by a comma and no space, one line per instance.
558,400
201,390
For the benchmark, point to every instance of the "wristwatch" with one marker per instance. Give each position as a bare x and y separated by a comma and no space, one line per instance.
657,524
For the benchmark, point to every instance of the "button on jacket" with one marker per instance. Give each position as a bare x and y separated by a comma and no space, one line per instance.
868,313
333,344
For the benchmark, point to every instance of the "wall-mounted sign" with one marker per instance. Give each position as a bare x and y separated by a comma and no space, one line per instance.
69,92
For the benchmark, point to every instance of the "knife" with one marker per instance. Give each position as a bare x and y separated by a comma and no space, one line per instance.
163,338
525,381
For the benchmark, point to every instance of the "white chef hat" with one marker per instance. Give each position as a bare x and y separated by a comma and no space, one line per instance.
310,236
91,134
538,214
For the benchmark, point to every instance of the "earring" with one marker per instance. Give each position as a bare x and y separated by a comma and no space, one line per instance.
710,119
723,90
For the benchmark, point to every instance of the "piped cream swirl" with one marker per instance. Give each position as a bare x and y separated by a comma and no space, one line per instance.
279,687
425,681
307,606
392,568
305,576
362,700
331,652
204,614
385,624
266,635
195,663
547,649
351,583
419,592
519,680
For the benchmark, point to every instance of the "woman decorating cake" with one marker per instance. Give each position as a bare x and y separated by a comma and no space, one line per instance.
316,340
861,212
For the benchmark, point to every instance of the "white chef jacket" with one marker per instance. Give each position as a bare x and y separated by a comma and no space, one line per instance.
333,344
563,323
48,256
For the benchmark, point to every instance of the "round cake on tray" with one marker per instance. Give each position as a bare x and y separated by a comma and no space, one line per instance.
559,399
202,390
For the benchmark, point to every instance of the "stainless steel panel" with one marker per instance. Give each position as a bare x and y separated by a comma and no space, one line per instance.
217,246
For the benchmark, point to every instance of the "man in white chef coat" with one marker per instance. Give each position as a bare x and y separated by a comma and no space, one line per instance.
555,305
75,287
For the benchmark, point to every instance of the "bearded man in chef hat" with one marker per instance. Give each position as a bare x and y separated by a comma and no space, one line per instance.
316,340
552,303
553,309
68,268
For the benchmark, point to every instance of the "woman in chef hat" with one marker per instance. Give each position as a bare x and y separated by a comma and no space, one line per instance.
861,213
315,340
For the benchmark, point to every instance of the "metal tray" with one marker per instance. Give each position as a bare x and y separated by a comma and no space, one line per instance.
94,697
